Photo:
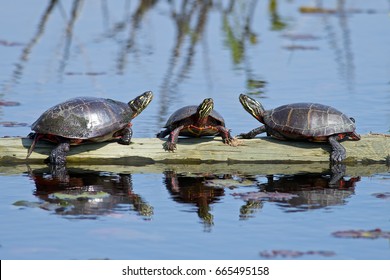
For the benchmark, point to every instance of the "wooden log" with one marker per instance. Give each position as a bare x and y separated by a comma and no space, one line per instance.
371,148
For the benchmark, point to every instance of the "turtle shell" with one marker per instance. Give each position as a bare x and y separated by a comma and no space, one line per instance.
308,121
188,112
90,118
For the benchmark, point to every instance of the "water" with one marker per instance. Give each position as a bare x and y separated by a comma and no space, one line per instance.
118,49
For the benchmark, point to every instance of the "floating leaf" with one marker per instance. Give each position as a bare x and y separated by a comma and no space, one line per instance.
9,103
227,183
294,254
316,10
264,195
319,10
303,37
368,234
385,195
301,48
13,124
85,73
10,44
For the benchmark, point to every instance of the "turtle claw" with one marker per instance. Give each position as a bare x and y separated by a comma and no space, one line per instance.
170,147
234,142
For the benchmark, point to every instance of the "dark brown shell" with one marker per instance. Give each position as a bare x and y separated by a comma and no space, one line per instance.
187,112
84,118
308,120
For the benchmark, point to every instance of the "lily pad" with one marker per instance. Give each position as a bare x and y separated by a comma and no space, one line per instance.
25,203
80,195
367,234
42,205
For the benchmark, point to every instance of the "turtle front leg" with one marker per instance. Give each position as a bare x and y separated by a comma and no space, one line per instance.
170,145
338,151
58,154
125,139
226,136
251,134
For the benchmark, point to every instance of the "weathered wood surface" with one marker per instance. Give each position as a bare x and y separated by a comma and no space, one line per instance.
371,148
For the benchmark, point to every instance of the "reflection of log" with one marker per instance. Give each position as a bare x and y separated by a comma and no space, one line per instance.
371,148
205,168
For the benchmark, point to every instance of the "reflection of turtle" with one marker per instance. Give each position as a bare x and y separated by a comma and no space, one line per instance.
302,121
312,190
87,119
195,121
185,189
87,194
298,192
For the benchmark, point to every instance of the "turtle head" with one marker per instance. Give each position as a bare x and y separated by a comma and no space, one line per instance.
252,106
139,103
205,108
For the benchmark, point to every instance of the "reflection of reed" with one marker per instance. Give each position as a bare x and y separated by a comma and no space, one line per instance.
183,19
19,66
348,71
129,44
190,18
343,54
41,28
237,27
76,10
277,23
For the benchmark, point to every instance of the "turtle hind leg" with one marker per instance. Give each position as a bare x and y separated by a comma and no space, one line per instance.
251,134
125,139
58,154
338,151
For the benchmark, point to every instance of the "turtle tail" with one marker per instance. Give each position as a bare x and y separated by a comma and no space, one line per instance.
36,138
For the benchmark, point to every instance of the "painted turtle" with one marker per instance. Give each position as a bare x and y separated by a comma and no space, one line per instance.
302,121
195,121
86,119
